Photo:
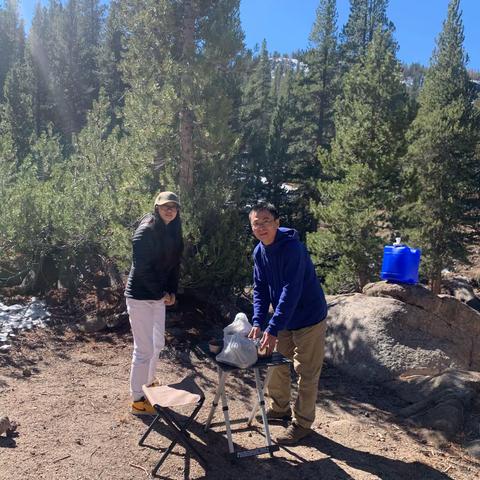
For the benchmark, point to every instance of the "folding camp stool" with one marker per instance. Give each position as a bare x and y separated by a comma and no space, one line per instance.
166,397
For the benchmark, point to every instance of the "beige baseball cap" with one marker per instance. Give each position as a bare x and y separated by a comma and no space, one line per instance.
166,197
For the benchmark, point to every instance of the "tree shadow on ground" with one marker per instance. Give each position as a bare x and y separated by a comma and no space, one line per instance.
351,394
18,365
331,455
383,467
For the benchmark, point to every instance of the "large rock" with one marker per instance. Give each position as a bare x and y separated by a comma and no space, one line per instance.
442,402
394,329
7,426
444,317
459,287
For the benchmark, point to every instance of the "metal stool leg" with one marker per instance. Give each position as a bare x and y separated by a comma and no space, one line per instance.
150,428
182,436
166,453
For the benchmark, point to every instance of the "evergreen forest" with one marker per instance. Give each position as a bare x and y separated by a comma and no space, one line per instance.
103,106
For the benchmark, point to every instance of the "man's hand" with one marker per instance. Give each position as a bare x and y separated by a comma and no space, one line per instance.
169,299
255,332
268,342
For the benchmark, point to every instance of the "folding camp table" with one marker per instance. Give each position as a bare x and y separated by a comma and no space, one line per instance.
223,371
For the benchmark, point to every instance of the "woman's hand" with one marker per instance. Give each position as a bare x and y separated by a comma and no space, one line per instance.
169,299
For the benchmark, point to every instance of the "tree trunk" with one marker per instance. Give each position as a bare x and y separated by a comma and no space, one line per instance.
362,279
45,276
186,114
436,282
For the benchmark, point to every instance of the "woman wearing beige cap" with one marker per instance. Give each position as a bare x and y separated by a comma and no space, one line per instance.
152,285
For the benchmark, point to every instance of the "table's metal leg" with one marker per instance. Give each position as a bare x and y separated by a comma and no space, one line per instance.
220,393
220,389
261,401
227,419
264,389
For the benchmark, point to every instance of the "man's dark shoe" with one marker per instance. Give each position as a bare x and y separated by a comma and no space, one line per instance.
278,416
293,434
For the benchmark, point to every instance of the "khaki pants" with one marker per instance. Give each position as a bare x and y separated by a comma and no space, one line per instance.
306,347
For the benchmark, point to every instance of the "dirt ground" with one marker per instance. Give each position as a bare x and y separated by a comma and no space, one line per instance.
69,394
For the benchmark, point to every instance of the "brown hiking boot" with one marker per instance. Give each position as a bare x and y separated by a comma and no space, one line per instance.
293,434
274,415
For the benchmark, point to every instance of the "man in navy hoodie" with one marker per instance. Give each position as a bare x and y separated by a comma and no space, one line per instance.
284,277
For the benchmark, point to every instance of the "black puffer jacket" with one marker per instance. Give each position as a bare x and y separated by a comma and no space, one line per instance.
156,260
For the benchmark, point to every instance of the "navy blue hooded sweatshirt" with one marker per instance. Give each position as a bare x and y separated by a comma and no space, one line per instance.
284,276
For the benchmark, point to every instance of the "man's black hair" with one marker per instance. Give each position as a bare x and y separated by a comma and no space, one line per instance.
260,206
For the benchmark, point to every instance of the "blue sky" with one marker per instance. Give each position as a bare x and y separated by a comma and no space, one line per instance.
286,24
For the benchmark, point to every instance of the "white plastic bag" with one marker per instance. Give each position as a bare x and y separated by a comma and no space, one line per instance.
238,351
240,325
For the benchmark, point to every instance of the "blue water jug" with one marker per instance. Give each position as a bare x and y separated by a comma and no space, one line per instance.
400,263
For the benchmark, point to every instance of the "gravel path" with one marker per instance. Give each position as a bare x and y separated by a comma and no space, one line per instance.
69,394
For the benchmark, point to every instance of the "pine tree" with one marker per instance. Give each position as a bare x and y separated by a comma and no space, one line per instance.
91,25
278,168
12,40
414,75
77,82
441,156
36,62
49,230
62,53
281,68
7,164
255,117
323,70
310,126
151,75
98,175
181,115
8,172
17,114
359,199
27,219
366,16
46,155
217,236
45,43
110,58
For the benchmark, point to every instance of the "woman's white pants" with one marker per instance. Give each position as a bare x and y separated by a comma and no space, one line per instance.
147,319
